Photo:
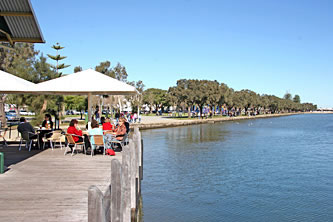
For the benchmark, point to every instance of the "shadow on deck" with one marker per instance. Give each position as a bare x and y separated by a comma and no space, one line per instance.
14,156
50,186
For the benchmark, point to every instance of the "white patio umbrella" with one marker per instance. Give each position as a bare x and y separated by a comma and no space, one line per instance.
11,84
88,82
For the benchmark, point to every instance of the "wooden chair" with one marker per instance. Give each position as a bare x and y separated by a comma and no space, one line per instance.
71,142
98,142
55,138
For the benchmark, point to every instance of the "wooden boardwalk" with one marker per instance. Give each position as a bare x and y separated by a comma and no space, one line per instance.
49,186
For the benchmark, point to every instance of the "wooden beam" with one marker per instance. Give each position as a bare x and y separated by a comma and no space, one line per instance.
31,40
9,38
16,14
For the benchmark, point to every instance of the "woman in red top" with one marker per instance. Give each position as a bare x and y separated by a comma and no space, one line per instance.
107,124
74,129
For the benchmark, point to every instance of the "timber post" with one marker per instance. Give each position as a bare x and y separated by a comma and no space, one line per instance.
121,200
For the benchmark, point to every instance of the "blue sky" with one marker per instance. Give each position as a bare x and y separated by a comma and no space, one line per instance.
267,46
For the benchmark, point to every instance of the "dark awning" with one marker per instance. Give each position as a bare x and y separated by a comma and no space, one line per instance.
18,22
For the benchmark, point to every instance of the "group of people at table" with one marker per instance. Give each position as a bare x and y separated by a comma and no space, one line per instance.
44,131
107,129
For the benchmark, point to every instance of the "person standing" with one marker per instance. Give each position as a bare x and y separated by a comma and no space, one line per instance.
97,116
117,116
135,117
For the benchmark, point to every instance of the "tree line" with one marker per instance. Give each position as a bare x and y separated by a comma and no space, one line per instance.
28,63
188,95
211,96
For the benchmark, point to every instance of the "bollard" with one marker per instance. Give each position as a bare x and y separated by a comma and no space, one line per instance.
2,162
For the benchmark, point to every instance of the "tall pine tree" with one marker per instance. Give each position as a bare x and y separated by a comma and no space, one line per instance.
57,58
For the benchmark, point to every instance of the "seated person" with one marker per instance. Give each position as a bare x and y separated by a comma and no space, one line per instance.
102,120
107,124
121,130
24,126
47,123
95,130
75,129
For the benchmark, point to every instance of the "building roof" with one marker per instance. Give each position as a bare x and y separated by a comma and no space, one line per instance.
18,22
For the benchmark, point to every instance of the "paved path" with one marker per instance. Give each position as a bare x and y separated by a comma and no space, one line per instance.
48,186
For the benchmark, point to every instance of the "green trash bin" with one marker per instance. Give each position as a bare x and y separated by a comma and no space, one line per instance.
2,162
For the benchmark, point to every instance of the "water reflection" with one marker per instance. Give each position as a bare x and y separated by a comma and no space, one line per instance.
275,169
197,134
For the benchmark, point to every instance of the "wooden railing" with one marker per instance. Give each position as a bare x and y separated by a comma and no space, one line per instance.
121,200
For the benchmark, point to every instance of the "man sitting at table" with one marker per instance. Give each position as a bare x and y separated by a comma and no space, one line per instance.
24,126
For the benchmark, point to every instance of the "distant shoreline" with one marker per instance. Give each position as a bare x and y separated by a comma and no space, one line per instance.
319,112
174,122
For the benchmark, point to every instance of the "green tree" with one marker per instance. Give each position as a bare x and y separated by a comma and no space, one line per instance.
23,62
182,95
118,72
57,58
75,103
17,61
214,94
297,99
77,69
136,101
154,98
105,68
287,96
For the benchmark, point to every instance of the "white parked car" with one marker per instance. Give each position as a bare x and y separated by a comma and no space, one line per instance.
23,112
31,113
76,112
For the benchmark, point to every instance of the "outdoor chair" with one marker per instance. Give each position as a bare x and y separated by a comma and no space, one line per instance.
26,137
4,142
108,137
55,138
122,142
71,142
98,142
45,138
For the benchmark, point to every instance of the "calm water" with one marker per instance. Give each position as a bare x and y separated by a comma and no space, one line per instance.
276,169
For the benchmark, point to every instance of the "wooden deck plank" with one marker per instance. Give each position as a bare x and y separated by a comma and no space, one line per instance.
49,186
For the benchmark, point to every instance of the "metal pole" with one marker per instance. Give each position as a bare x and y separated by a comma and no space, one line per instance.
2,163
89,107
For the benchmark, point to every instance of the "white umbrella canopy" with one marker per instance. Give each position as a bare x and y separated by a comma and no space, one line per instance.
11,84
88,82
84,82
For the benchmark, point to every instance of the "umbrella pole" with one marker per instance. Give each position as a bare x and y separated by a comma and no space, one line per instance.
89,107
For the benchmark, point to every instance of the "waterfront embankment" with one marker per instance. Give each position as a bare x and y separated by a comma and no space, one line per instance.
153,122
